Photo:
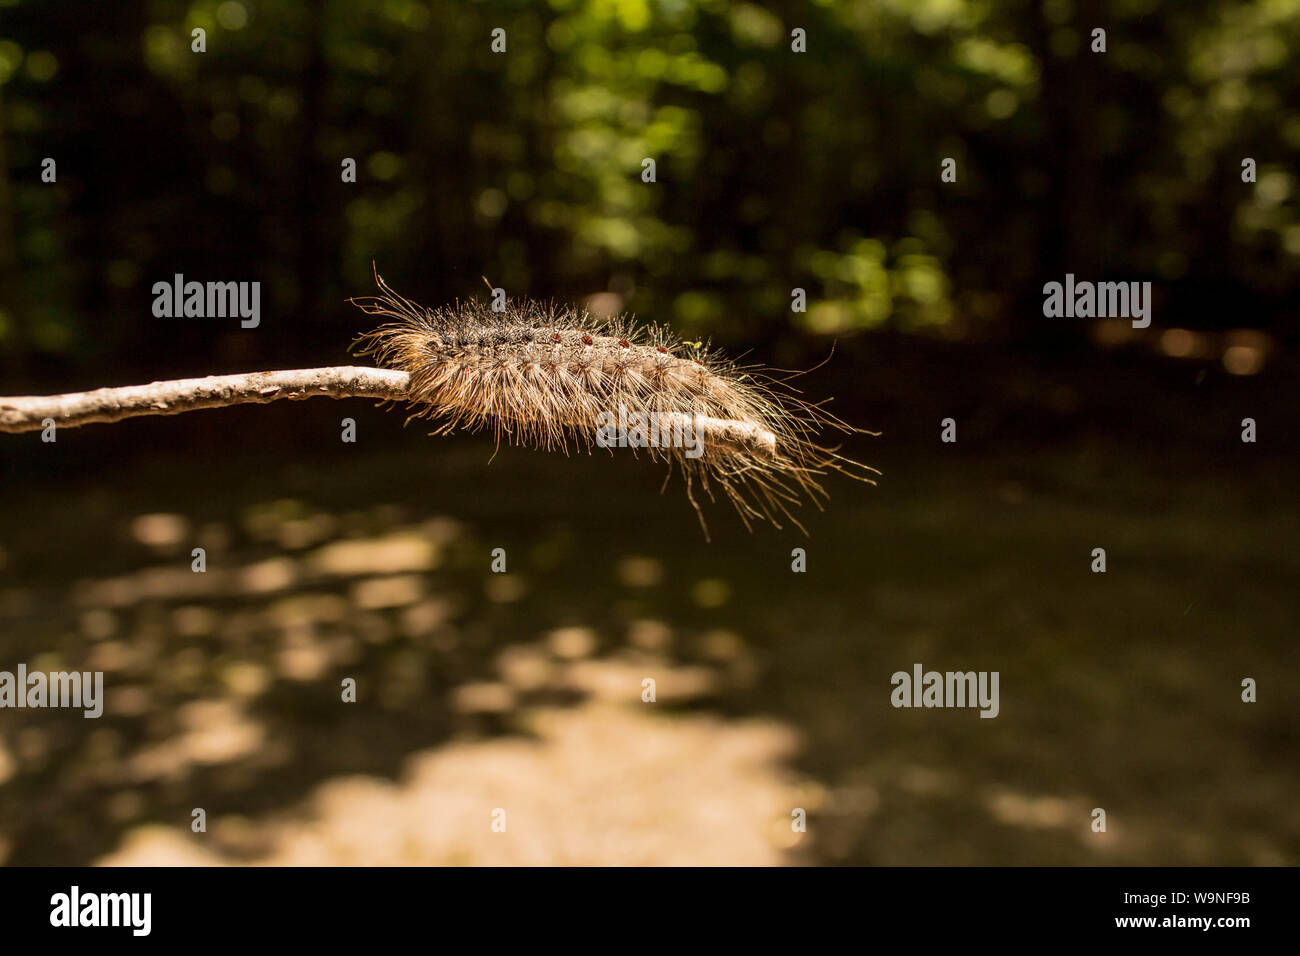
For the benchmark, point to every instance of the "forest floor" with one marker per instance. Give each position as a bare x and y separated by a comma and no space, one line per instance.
522,692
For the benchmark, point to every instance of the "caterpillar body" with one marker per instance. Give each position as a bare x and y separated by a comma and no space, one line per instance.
542,375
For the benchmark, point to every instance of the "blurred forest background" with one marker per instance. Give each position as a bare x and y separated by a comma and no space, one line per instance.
775,170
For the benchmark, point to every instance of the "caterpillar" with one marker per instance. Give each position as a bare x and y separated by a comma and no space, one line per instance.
549,376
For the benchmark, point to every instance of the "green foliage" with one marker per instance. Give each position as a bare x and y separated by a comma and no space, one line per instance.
774,169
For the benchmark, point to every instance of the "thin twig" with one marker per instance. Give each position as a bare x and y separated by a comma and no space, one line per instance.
32,412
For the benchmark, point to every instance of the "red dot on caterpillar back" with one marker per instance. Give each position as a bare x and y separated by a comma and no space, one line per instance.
555,336
624,343
586,340
662,349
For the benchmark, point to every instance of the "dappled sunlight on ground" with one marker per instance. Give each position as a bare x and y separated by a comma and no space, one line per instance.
597,784
526,691
552,724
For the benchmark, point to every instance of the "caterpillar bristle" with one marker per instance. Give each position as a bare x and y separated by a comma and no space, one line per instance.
540,374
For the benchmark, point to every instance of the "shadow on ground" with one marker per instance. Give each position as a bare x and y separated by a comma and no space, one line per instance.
518,697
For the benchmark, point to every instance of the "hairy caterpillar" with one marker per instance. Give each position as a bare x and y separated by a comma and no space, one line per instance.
541,375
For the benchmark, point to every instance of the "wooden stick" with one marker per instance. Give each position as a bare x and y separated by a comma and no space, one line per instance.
32,412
